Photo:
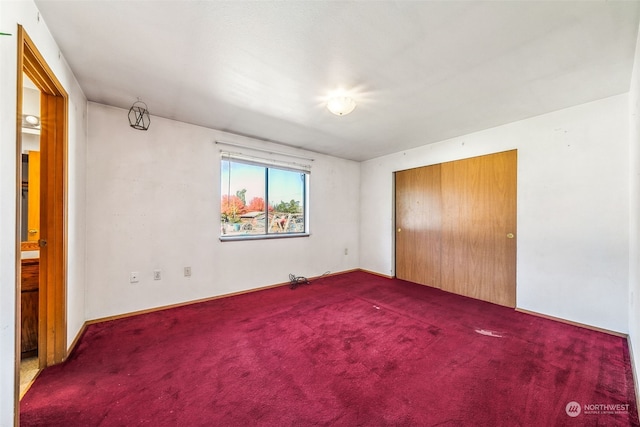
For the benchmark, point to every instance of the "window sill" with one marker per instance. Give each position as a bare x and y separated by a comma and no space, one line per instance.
241,237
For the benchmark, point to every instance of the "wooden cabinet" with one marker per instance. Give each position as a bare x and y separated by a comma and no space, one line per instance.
29,307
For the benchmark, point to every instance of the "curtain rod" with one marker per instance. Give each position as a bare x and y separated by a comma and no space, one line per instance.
265,150
261,161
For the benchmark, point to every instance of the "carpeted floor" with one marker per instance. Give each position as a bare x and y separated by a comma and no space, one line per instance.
348,350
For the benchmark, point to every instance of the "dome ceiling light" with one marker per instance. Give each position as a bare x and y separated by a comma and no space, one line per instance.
32,120
341,105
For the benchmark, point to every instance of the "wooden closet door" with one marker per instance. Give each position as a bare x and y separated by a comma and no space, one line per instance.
418,225
479,227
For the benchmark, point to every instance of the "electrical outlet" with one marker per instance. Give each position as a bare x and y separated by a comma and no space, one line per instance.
187,272
157,275
346,251
134,277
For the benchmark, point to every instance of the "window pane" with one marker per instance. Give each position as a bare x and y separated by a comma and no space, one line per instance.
286,194
243,196
259,200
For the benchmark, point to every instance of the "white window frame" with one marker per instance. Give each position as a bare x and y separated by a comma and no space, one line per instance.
232,157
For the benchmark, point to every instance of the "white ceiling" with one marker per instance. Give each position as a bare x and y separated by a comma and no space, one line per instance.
420,72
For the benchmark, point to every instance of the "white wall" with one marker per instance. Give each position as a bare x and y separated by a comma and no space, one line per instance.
573,208
26,14
634,226
153,203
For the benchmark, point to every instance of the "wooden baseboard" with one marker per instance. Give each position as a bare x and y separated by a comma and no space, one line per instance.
75,341
151,310
181,304
386,276
569,322
329,274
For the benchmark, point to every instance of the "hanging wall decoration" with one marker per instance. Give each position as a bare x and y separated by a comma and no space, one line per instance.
139,116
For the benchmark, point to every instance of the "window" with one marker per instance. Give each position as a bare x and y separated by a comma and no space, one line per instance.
262,198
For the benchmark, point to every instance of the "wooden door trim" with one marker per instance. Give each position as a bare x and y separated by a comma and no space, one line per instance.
18,241
52,338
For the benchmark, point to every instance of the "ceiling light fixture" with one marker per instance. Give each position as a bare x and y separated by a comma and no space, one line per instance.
139,116
341,105
29,121
32,120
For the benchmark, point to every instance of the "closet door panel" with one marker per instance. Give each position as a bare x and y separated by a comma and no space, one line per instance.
418,225
479,227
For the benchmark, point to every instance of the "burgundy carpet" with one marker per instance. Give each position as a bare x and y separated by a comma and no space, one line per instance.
348,350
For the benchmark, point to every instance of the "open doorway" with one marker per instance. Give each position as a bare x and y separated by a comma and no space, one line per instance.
29,233
43,241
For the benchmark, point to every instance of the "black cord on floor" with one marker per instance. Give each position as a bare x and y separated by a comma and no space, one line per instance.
295,281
